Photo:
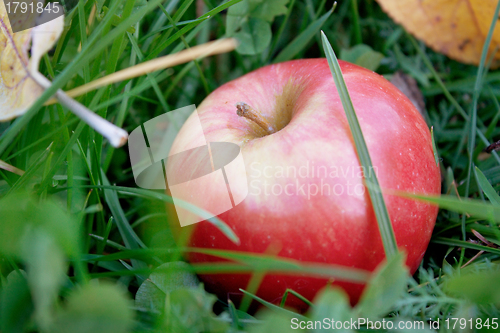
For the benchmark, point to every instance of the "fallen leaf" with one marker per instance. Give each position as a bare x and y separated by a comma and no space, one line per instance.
362,55
18,90
457,28
492,147
250,21
408,86
21,83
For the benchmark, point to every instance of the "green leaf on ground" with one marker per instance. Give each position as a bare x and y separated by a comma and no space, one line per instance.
95,308
20,212
267,9
332,303
362,55
165,279
190,310
254,36
16,305
482,287
300,42
273,322
385,288
46,266
249,21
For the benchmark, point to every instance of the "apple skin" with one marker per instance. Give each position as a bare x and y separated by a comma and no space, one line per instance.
332,228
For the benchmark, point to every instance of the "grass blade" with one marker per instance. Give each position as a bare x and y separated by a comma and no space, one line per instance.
465,245
11,168
300,42
446,91
132,241
158,49
475,208
221,225
90,50
130,238
434,148
29,173
152,33
247,262
383,220
486,187
473,117
273,307
200,51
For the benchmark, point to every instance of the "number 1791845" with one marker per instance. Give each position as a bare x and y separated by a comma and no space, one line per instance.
478,323
15,7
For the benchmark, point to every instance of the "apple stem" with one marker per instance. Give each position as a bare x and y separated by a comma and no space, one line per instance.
245,110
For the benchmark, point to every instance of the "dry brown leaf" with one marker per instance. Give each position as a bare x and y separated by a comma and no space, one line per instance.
457,28
21,83
18,90
11,168
409,87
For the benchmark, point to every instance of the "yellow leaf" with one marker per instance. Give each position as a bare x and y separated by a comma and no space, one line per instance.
18,90
21,83
457,28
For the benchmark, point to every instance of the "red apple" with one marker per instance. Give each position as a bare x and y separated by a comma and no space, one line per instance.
304,180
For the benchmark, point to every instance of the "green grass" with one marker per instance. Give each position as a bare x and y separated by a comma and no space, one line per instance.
78,239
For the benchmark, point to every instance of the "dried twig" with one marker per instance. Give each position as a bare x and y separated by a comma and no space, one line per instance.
483,240
204,50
